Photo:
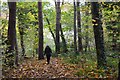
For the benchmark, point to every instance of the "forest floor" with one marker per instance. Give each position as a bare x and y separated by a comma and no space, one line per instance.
34,68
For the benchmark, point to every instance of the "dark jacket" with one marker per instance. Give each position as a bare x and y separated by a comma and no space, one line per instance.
48,51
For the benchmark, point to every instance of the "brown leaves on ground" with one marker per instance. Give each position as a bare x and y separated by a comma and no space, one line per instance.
34,68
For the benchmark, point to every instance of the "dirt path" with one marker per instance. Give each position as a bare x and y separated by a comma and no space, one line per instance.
33,68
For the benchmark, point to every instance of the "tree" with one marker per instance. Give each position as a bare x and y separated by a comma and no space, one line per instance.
21,26
98,35
58,17
21,31
12,41
80,48
50,29
22,23
16,51
40,18
75,43
87,32
64,45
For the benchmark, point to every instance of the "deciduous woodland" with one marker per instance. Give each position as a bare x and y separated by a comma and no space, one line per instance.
82,39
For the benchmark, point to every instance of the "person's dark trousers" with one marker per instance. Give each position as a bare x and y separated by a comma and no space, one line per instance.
48,59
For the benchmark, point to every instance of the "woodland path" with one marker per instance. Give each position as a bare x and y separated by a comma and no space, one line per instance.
33,68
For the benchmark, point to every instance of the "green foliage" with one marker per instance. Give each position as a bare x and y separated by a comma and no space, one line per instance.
8,59
76,58
112,59
111,21
67,17
88,63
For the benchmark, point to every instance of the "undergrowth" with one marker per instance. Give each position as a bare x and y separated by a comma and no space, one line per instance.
88,62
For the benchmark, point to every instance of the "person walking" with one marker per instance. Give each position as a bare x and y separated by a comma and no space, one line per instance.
48,52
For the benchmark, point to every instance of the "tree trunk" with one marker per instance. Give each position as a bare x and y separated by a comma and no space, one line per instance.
12,41
86,36
16,51
50,30
64,44
98,35
58,18
11,25
63,40
86,39
75,43
21,31
40,18
80,48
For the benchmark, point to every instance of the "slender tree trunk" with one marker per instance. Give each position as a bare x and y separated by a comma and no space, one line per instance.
86,40
64,44
63,40
62,36
51,30
16,51
58,18
75,43
98,34
12,41
40,18
80,48
86,36
21,31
